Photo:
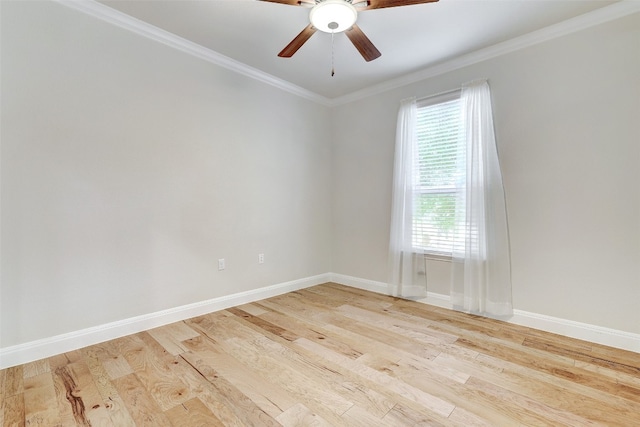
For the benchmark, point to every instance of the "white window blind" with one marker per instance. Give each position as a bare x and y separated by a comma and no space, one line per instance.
436,170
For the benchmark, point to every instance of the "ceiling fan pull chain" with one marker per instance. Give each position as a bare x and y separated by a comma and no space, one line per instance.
333,70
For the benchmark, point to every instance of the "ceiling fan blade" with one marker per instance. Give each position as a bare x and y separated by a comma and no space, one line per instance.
292,2
297,42
368,51
379,4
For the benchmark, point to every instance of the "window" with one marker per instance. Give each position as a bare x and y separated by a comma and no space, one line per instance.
440,149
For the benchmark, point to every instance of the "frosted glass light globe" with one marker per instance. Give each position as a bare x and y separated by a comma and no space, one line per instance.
333,16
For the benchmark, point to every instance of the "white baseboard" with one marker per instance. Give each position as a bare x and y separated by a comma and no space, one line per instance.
584,331
34,350
356,282
432,298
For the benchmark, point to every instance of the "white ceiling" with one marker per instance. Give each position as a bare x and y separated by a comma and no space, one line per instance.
411,38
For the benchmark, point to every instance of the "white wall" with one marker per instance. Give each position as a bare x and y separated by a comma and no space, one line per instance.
567,115
128,168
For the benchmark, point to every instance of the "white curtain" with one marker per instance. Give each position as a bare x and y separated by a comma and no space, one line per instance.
481,266
407,268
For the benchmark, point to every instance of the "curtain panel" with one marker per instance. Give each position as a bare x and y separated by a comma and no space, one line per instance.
481,270
407,267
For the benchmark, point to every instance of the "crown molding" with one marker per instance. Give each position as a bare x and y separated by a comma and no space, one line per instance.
578,23
587,20
122,20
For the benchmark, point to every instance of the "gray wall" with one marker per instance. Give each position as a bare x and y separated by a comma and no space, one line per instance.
567,116
128,168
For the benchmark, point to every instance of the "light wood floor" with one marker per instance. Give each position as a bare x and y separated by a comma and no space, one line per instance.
329,355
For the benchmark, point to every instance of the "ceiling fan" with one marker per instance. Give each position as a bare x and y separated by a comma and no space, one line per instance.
335,16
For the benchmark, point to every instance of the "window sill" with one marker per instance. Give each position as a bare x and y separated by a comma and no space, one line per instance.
434,256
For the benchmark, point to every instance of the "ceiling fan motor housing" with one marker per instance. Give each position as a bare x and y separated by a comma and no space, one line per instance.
333,16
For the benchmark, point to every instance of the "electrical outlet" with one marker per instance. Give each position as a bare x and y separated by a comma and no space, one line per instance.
221,264
260,258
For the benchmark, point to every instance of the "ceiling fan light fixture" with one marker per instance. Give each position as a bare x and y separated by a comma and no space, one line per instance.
333,16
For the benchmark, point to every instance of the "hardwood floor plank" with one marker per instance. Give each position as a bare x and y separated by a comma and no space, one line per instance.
480,342
263,324
373,346
40,402
290,376
329,355
615,355
14,381
325,335
253,309
446,388
401,415
269,397
142,407
117,367
300,415
622,378
3,377
37,367
354,295
551,366
112,360
310,332
453,320
436,370
321,400
528,410
131,348
13,411
78,397
170,336
335,297
422,331
82,395
358,416
65,407
244,408
304,309
627,367
560,393
192,413
210,396
392,339
462,417
465,367
443,342
3,380
432,403
357,393
111,400
151,364
64,359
